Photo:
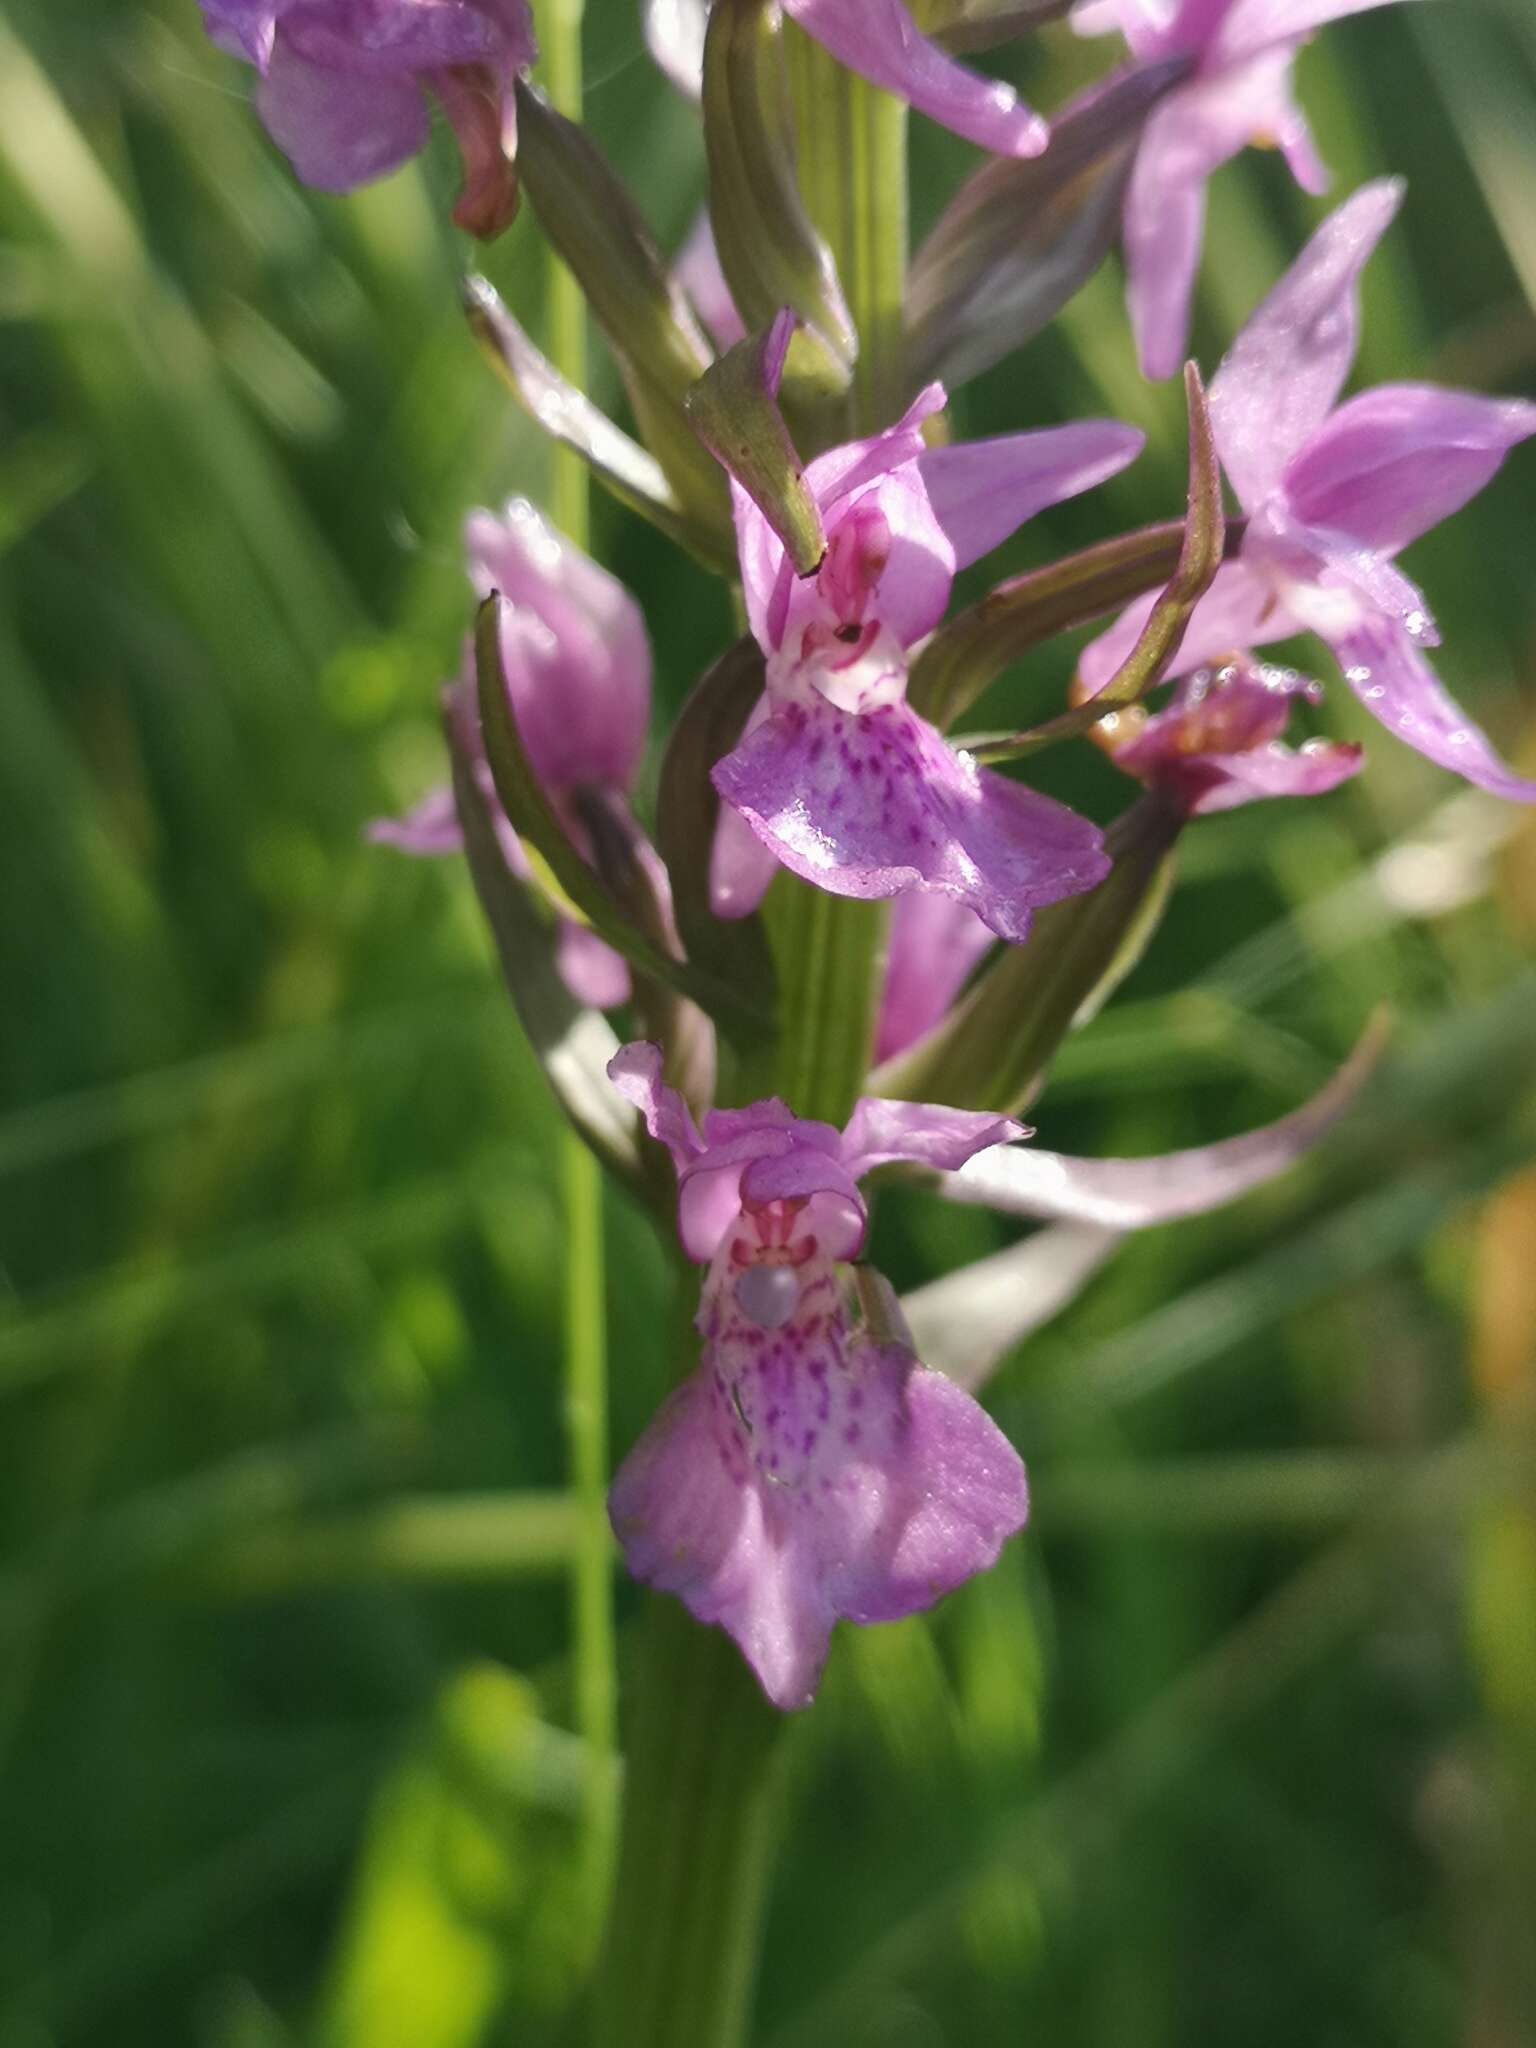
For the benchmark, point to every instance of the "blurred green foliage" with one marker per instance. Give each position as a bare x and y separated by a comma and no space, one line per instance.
1238,1746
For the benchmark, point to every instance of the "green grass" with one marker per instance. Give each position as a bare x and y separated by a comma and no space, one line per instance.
1240,1746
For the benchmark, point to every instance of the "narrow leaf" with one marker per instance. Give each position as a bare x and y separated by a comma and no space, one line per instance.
1024,234
1205,539
770,252
630,472
687,808
572,1044
734,410
600,235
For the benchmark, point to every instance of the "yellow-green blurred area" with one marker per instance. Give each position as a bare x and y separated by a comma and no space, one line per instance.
1238,1745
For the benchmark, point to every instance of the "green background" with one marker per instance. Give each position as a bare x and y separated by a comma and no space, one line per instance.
1239,1745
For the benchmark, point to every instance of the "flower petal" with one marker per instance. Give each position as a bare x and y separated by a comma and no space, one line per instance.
1391,464
1283,374
593,972
674,34
635,1070
1396,684
697,269
245,28
982,491
431,828
741,867
339,130
1253,25
935,942
880,40
873,803
387,38
876,1488
1135,1194
1164,225
574,649
923,1133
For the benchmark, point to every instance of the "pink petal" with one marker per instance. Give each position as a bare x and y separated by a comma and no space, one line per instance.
1164,223
432,828
1276,770
593,972
922,1133
880,40
935,942
1253,25
1392,463
385,38
1238,612
780,1490
1135,1194
982,491
1286,369
873,803
1396,684
574,646
635,1070
741,867
697,270
340,130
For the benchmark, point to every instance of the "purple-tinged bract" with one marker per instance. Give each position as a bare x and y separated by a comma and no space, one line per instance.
806,1473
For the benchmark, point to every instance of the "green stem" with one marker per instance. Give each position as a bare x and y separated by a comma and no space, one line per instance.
586,1362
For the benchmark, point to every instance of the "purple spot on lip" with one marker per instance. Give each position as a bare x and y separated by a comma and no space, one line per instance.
851,1434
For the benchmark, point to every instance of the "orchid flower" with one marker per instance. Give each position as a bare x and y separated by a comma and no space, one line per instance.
934,944
836,776
578,669
1238,92
809,1470
1217,743
1333,493
879,40
343,85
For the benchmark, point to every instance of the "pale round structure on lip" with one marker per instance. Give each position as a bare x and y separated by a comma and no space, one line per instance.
768,1295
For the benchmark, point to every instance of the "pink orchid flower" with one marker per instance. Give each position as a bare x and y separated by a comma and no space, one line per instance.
343,87
1333,493
578,668
808,1472
837,777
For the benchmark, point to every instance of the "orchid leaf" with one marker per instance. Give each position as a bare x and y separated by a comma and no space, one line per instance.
734,410
1024,234
966,656
528,808
568,416
572,1044
687,808
1200,556
1136,1194
770,252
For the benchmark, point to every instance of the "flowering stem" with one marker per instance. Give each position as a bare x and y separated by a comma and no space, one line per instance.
703,1744
581,1181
